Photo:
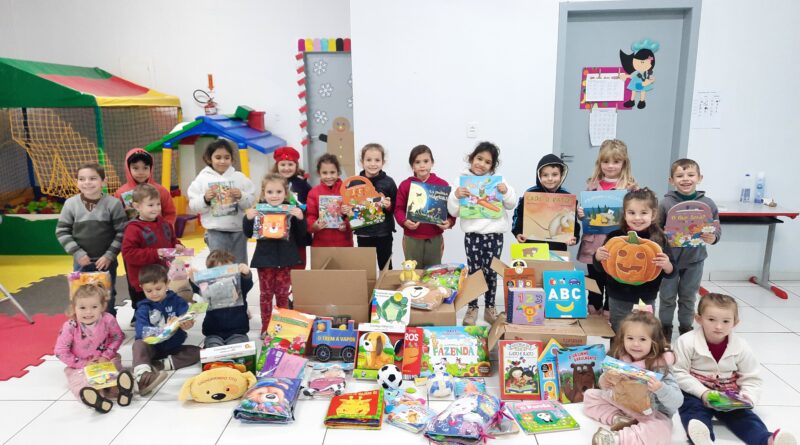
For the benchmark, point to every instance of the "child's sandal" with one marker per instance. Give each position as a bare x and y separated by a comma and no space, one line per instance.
92,398
125,386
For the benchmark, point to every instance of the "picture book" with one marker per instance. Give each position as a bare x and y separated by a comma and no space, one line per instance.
272,222
519,371
579,367
517,276
101,375
465,420
409,412
220,286
330,211
688,220
325,380
484,201
527,306
289,329
602,211
548,376
378,345
630,385
611,364
361,410
270,400
364,200
460,350
565,293
222,203
390,306
127,203
78,279
412,351
530,251
548,216
543,416
427,203
728,401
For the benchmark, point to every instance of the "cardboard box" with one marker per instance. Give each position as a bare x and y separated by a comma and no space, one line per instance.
241,353
340,282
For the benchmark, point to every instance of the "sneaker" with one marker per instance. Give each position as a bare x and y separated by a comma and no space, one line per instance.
621,421
490,314
605,437
783,438
149,381
699,433
470,317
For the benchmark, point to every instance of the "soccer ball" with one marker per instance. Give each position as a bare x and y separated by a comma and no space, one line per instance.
390,377
440,385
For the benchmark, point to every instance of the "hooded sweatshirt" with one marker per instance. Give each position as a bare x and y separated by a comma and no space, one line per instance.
197,202
686,256
140,245
167,206
424,231
326,237
483,225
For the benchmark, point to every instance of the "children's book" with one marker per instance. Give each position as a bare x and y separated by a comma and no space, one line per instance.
548,375
222,203
602,211
361,410
78,279
153,335
458,350
530,251
728,401
272,222
378,345
409,412
412,351
519,371
484,201
270,400
630,391
101,375
565,293
220,286
543,416
364,200
427,203
127,203
579,367
325,380
240,356
464,421
330,211
549,216
611,364
390,307
526,306
517,276
289,329
688,220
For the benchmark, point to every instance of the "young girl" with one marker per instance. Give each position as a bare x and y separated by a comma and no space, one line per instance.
483,238
286,159
329,170
711,358
92,335
612,171
640,342
640,209
222,232
421,242
273,258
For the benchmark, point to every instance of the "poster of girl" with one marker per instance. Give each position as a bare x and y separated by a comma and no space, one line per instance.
638,66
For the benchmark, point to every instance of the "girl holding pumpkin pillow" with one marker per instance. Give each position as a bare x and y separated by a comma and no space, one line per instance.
629,262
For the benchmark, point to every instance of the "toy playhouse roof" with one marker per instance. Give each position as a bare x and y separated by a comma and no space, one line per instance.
228,127
25,83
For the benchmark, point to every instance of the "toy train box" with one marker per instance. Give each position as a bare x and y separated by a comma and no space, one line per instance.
334,338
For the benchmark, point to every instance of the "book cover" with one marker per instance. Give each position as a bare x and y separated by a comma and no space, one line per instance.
602,210
530,251
484,201
549,216
364,200
378,345
519,372
579,367
272,222
565,293
222,203
409,412
548,376
289,329
101,375
688,220
270,400
330,211
412,351
390,306
127,204
460,350
220,286
361,410
543,416
427,203
527,305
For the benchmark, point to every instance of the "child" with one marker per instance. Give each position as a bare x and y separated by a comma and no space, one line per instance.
158,310
139,170
422,242
612,171
222,232
91,225
286,159
144,236
712,358
550,174
378,236
640,342
92,336
227,326
684,176
273,258
329,170
483,238
640,209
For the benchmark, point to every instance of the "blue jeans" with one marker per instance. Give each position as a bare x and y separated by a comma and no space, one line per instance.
112,269
744,423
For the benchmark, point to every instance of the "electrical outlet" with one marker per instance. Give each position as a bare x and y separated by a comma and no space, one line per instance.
472,130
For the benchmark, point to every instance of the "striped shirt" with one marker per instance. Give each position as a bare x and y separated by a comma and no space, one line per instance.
95,233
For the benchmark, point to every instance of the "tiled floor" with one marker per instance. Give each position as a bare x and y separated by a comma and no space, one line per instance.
38,408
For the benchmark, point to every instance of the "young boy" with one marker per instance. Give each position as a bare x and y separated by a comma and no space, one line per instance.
158,310
144,236
683,285
139,170
711,358
91,226
550,174
227,326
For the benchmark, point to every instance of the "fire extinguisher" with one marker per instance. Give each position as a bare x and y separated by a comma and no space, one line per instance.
206,97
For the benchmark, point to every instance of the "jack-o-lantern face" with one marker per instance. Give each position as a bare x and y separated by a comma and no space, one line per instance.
631,259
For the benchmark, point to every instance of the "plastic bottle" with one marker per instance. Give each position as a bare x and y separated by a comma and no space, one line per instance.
747,188
758,196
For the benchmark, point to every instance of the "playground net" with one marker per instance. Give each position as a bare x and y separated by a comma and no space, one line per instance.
14,167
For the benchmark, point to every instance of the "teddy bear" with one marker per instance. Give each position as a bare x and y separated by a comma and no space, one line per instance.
408,273
217,385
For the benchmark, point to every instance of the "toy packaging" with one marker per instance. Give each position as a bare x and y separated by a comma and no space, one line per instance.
579,367
412,352
565,294
378,345
459,350
427,203
364,200
222,203
330,211
506,424
334,338
390,307
525,306
548,216
280,363
728,401
272,222
602,210
178,264
466,421
270,400
289,329
468,385
127,203
220,286
484,201
426,297
519,376
409,412
630,389
360,410
153,335
542,416
241,356
101,375
78,279
548,376
688,220
325,380
451,276
217,385
530,251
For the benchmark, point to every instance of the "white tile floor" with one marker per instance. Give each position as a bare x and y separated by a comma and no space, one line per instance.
37,408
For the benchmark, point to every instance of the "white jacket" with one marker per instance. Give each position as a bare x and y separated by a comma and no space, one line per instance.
198,188
486,225
693,357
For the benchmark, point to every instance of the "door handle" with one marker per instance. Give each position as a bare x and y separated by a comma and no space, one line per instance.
565,157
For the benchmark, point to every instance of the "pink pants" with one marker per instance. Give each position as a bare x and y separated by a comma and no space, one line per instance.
655,429
273,281
76,379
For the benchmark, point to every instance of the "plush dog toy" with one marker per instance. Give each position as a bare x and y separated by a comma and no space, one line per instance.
217,385
408,273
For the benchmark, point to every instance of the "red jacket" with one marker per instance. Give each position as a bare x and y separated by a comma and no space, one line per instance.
326,237
140,245
424,231
167,206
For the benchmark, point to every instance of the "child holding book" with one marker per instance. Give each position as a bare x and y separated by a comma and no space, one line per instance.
483,237
422,242
92,335
139,170
712,358
229,325
286,164
684,176
640,342
329,169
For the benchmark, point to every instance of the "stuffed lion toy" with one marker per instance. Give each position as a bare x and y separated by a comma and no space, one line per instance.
217,385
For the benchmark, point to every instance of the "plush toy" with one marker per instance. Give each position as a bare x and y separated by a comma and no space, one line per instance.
424,296
217,385
408,273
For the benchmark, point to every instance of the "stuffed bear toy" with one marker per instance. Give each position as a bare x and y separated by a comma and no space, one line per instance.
408,273
217,385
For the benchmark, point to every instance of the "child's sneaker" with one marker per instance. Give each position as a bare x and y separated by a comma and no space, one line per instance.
149,380
470,317
93,399
783,438
699,433
605,437
490,314
621,421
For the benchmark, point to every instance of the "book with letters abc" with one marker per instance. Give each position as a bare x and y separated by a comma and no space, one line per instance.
565,294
